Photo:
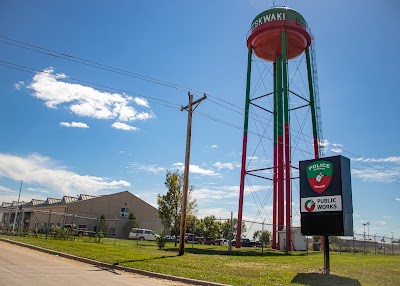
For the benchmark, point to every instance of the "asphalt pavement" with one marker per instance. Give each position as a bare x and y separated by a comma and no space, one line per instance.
20,266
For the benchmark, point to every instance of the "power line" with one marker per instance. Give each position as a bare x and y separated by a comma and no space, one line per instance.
72,58
102,87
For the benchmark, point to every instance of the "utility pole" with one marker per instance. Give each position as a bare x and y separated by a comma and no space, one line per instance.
16,210
190,110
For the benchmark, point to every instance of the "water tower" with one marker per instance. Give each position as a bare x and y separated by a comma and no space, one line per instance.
277,37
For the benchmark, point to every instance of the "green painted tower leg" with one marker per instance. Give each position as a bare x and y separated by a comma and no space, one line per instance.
275,179
312,104
280,152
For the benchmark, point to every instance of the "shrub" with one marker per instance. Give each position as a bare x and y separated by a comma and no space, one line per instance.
161,241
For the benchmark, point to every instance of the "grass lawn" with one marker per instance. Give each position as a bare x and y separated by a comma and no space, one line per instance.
243,267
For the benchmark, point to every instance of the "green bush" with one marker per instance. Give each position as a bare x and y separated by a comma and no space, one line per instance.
161,241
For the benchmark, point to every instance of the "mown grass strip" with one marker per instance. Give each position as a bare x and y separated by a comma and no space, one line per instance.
211,263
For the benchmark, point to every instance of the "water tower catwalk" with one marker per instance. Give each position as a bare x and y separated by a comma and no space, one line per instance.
277,37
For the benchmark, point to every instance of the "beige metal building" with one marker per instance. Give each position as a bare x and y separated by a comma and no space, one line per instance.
84,211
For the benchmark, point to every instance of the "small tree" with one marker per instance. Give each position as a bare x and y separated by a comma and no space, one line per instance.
170,204
102,228
263,236
226,228
129,225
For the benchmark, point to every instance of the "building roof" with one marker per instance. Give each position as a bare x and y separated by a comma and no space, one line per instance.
51,201
35,202
68,199
83,197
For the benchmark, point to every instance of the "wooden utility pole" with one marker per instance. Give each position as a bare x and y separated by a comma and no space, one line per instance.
190,110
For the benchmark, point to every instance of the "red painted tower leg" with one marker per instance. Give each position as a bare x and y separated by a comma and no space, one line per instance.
275,179
280,151
244,151
287,144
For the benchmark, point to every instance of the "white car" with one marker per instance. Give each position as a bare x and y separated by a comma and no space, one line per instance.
142,234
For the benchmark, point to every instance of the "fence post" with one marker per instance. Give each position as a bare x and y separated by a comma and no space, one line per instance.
116,230
375,242
262,238
354,250
194,231
230,235
137,240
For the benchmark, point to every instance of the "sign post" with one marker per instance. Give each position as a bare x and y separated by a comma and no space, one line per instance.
326,200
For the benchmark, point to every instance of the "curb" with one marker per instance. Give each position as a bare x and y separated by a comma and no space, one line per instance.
115,267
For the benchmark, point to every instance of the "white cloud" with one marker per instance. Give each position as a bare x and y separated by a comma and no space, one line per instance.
6,190
397,199
214,146
392,159
51,175
229,166
152,169
85,100
325,144
376,175
141,101
123,126
198,170
38,190
225,192
74,124
19,85
217,212
194,169
252,158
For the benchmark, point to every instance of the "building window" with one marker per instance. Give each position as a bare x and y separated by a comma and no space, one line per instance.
124,212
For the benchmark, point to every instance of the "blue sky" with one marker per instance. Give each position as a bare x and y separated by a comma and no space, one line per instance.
79,129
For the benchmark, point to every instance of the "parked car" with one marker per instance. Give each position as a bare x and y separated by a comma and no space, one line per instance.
142,234
245,242
192,238
210,241
221,241
171,238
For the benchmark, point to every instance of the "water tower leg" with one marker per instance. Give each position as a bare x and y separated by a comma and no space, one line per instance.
312,104
275,179
287,143
280,153
244,150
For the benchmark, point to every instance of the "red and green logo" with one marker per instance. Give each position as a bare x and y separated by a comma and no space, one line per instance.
309,205
319,174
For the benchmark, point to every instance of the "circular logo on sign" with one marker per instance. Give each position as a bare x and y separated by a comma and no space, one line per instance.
309,205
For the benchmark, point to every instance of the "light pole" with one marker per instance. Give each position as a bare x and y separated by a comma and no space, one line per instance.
364,224
368,228
16,210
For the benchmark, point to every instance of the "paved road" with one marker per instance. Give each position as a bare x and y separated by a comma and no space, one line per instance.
20,266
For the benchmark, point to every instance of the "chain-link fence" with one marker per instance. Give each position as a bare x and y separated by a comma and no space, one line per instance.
216,234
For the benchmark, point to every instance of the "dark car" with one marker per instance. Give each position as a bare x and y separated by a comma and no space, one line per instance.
210,241
245,242
192,238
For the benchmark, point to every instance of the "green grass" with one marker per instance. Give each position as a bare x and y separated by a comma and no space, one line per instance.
244,267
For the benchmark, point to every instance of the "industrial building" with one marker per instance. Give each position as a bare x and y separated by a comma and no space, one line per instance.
83,211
